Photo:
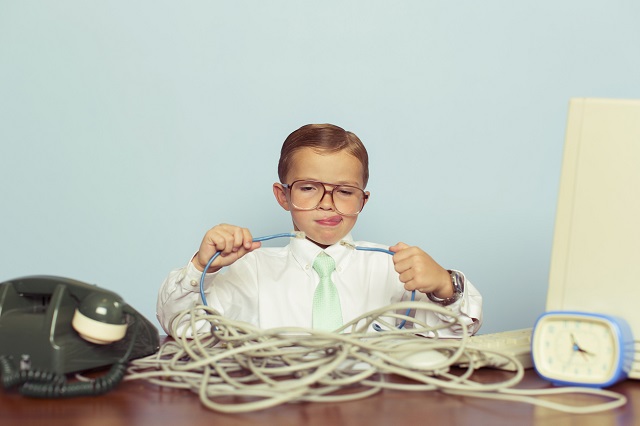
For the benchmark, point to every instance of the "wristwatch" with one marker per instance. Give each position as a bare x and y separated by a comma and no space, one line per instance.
457,280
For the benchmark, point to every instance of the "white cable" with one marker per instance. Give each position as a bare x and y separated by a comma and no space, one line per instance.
265,368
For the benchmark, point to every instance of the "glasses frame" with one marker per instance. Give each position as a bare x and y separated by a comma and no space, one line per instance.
365,196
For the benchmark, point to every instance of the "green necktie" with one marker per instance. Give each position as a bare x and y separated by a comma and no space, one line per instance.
327,313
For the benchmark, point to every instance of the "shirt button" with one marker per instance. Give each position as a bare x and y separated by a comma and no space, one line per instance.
306,267
193,283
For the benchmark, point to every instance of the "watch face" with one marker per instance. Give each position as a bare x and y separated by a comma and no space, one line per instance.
577,348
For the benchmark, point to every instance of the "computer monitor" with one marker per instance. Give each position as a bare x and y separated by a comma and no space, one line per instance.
595,261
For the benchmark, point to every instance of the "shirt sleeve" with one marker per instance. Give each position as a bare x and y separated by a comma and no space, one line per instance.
180,291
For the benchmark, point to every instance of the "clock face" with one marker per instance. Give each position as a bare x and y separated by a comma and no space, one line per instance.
576,348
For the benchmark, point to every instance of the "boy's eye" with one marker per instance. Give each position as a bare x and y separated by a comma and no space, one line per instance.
346,192
307,187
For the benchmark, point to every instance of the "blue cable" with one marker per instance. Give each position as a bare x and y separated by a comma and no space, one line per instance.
295,235
377,327
206,268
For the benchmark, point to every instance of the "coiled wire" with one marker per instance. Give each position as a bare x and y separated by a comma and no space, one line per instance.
42,384
240,368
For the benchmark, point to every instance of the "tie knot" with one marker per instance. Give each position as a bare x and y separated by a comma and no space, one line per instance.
324,265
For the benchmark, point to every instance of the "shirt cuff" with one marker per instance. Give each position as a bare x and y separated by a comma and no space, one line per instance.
190,279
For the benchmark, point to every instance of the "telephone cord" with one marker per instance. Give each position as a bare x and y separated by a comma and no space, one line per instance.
41,384
266,368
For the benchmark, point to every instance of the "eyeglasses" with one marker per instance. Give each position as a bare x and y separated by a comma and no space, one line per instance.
308,194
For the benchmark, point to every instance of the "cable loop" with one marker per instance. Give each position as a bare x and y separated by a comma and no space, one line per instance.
257,369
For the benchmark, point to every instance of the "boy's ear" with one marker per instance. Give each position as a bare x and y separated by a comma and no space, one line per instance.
281,196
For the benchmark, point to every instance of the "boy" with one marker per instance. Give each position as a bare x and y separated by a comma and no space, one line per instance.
323,171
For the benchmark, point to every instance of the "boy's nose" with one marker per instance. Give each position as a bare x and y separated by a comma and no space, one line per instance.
326,202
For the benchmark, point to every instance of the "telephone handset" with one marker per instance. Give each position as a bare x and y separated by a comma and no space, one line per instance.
52,326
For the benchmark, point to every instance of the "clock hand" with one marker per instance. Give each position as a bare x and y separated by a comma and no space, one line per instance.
577,348
586,352
573,340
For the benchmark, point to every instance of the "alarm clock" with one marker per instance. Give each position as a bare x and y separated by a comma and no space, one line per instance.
582,348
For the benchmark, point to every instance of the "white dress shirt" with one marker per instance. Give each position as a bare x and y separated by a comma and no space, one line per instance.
274,287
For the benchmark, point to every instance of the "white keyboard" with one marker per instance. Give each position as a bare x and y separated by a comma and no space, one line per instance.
516,343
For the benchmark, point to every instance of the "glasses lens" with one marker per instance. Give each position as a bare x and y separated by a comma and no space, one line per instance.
348,199
307,195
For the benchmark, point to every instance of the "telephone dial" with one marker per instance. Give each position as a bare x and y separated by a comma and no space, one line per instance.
53,326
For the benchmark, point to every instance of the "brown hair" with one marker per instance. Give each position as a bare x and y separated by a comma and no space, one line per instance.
322,137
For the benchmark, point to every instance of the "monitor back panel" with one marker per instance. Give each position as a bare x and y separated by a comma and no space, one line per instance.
595,263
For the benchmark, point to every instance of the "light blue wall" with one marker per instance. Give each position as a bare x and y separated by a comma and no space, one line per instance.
128,128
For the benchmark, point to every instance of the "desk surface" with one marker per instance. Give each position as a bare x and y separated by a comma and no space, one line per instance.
141,403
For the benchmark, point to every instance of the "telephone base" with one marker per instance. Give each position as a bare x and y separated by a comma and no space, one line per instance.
35,327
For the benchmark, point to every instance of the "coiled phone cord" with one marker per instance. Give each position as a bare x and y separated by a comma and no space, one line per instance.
302,235
43,384
13,377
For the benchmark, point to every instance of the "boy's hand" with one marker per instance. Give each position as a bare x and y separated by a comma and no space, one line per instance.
418,271
231,241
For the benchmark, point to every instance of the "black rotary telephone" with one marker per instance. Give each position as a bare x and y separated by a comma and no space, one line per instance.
52,326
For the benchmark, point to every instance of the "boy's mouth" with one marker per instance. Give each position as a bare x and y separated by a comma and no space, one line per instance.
329,221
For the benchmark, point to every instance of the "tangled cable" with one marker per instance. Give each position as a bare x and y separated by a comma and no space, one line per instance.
239,368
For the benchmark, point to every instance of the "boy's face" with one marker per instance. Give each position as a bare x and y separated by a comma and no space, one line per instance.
324,225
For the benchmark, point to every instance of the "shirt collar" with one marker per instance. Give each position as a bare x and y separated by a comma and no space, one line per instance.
305,251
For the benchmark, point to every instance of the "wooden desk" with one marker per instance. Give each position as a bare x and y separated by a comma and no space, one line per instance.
140,403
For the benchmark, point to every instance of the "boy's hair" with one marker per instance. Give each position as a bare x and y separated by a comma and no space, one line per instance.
322,137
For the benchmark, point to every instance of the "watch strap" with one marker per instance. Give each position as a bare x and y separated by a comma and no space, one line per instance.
457,281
